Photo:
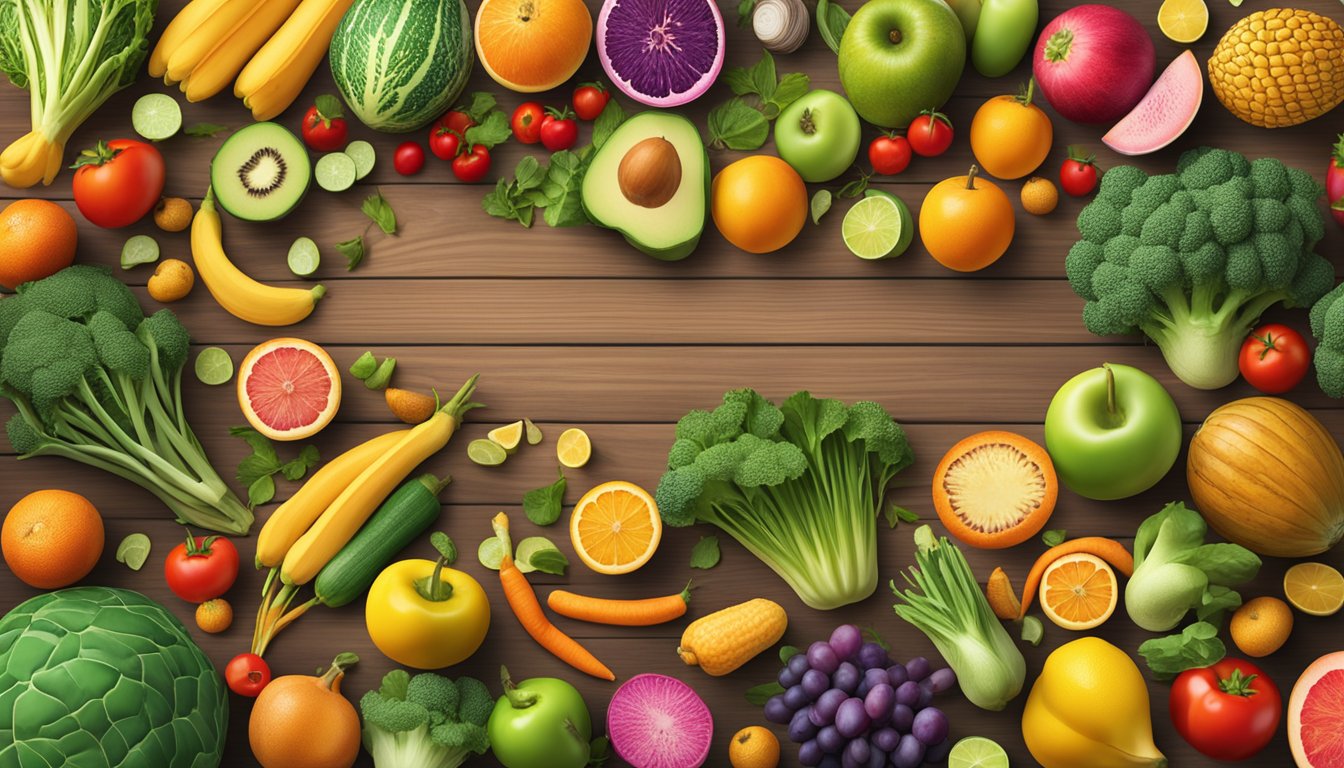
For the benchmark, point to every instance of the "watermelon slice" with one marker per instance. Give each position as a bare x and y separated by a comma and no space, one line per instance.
656,721
1165,112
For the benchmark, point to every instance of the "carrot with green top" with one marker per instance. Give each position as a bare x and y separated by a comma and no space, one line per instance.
623,613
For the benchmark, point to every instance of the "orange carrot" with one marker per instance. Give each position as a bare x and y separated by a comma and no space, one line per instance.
624,613
1110,550
523,601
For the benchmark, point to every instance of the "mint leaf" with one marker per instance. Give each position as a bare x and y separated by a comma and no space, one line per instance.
759,694
706,554
328,107
1196,646
607,122
791,88
563,189
353,251
821,203
544,505
551,561
492,131
478,104
260,491
737,125
787,652
377,208
1055,537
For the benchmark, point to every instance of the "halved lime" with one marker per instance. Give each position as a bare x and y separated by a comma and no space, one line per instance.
977,752
133,551
527,548
872,227
156,116
908,227
362,153
487,453
509,436
335,172
139,249
304,257
214,366
491,553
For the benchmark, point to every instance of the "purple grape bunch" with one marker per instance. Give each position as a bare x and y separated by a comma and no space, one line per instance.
847,704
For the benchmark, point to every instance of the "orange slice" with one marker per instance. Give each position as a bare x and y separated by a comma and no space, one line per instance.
1079,591
289,389
615,527
1314,588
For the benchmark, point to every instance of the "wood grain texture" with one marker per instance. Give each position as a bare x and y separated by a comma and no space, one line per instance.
573,327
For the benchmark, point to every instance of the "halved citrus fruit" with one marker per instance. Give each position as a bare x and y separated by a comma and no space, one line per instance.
573,449
289,389
995,489
1315,710
615,527
1314,588
1183,21
1079,591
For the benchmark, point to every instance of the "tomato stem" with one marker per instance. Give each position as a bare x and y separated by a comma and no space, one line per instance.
1028,92
1237,684
1267,342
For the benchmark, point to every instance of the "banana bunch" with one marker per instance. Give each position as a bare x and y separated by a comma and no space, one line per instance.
274,77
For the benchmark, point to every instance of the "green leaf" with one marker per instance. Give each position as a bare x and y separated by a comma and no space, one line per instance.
832,20
259,443
787,652
1227,564
297,467
705,554
563,189
260,491
551,561
377,208
478,104
759,694
744,10
353,251
544,505
328,107
491,132
1216,601
763,78
791,88
1196,646
855,187
872,636
737,125
529,173
204,130
1054,537
821,203
608,120
599,751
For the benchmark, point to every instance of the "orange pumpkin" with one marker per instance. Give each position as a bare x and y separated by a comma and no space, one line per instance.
301,721
995,489
966,222
532,45
1268,476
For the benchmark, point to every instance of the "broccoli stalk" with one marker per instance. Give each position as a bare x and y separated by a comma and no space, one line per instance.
426,721
95,381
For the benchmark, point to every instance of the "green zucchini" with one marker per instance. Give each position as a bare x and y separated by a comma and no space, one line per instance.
402,517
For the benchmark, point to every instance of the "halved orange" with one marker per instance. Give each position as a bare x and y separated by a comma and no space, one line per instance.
615,527
1314,588
995,489
1079,591
289,389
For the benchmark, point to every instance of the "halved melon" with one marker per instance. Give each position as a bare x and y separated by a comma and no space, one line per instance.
995,489
1165,112
1315,712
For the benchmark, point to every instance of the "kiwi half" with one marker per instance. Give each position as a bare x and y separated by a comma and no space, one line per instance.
261,172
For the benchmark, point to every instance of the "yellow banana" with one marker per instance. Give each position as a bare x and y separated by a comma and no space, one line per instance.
181,28
228,18
278,72
240,295
223,63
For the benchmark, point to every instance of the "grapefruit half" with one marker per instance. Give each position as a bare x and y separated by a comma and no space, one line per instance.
1315,711
289,389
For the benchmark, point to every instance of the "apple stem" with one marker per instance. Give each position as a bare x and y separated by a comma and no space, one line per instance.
970,176
894,36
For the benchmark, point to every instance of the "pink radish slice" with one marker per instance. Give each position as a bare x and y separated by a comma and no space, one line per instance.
1165,112
656,721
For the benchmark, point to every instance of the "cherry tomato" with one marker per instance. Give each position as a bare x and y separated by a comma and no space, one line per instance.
590,99
443,142
1228,711
526,122
889,154
930,134
471,166
247,674
201,568
457,121
1274,358
324,127
1078,176
117,182
558,129
409,158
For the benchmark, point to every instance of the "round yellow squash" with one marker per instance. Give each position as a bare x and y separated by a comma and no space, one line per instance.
1268,476
1279,67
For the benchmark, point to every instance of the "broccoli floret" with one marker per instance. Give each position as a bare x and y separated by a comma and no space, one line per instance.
1118,185
1198,256
118,348
426,721
1327,325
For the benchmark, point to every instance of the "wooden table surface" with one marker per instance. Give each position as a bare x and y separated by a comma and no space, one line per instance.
574,328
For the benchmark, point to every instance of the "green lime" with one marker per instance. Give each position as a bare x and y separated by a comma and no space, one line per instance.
1032,630
214,366
491,553
335,172
977,752
872,227
528,547
487,453
304,257
139,249
907,221
133,551
156,116
362,153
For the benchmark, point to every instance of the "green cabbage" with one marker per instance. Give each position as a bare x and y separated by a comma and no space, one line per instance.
94,677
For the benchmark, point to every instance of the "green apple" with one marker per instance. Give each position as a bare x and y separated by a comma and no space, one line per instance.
818,134
898,57
1112,432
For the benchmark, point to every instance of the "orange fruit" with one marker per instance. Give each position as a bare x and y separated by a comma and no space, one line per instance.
37,240
1010,135
1261,626
966,222
754,747
615,527
759,203
1314,588
214,616
289,389
51,539
995,489
1079,591
172,281
532,45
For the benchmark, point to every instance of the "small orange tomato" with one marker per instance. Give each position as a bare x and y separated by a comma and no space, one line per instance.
966,223
1010,135
759,203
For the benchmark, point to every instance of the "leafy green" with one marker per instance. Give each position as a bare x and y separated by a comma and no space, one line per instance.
426,721
1054,537
204,130
551,561
353,251
1196,646
898,514
543,505
513,200
490,132
832,21
1033,631
256,471
477,106
705,554
757,695
787,652
732,124
735,124
380,211
608,120
107,677
744,10
563,189
821,203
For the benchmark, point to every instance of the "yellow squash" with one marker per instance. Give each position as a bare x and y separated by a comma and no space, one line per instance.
725,640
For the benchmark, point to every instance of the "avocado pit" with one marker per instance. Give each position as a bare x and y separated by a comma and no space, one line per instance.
650,172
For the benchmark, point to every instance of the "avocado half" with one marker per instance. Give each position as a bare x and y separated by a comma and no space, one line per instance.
672,230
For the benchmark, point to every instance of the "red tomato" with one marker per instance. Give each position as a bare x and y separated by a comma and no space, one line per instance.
471,166
117,182
930,134
444,143
201,568
457,121
889,154
324,127
409,158
1228,711
558,129
1078,176
1274,358
526,122
247,674
590,99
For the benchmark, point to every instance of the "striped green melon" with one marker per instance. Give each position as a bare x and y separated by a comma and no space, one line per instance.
401,63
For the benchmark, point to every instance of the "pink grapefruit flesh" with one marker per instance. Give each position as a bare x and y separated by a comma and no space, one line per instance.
289,389
1165,112
1315,714
656,721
